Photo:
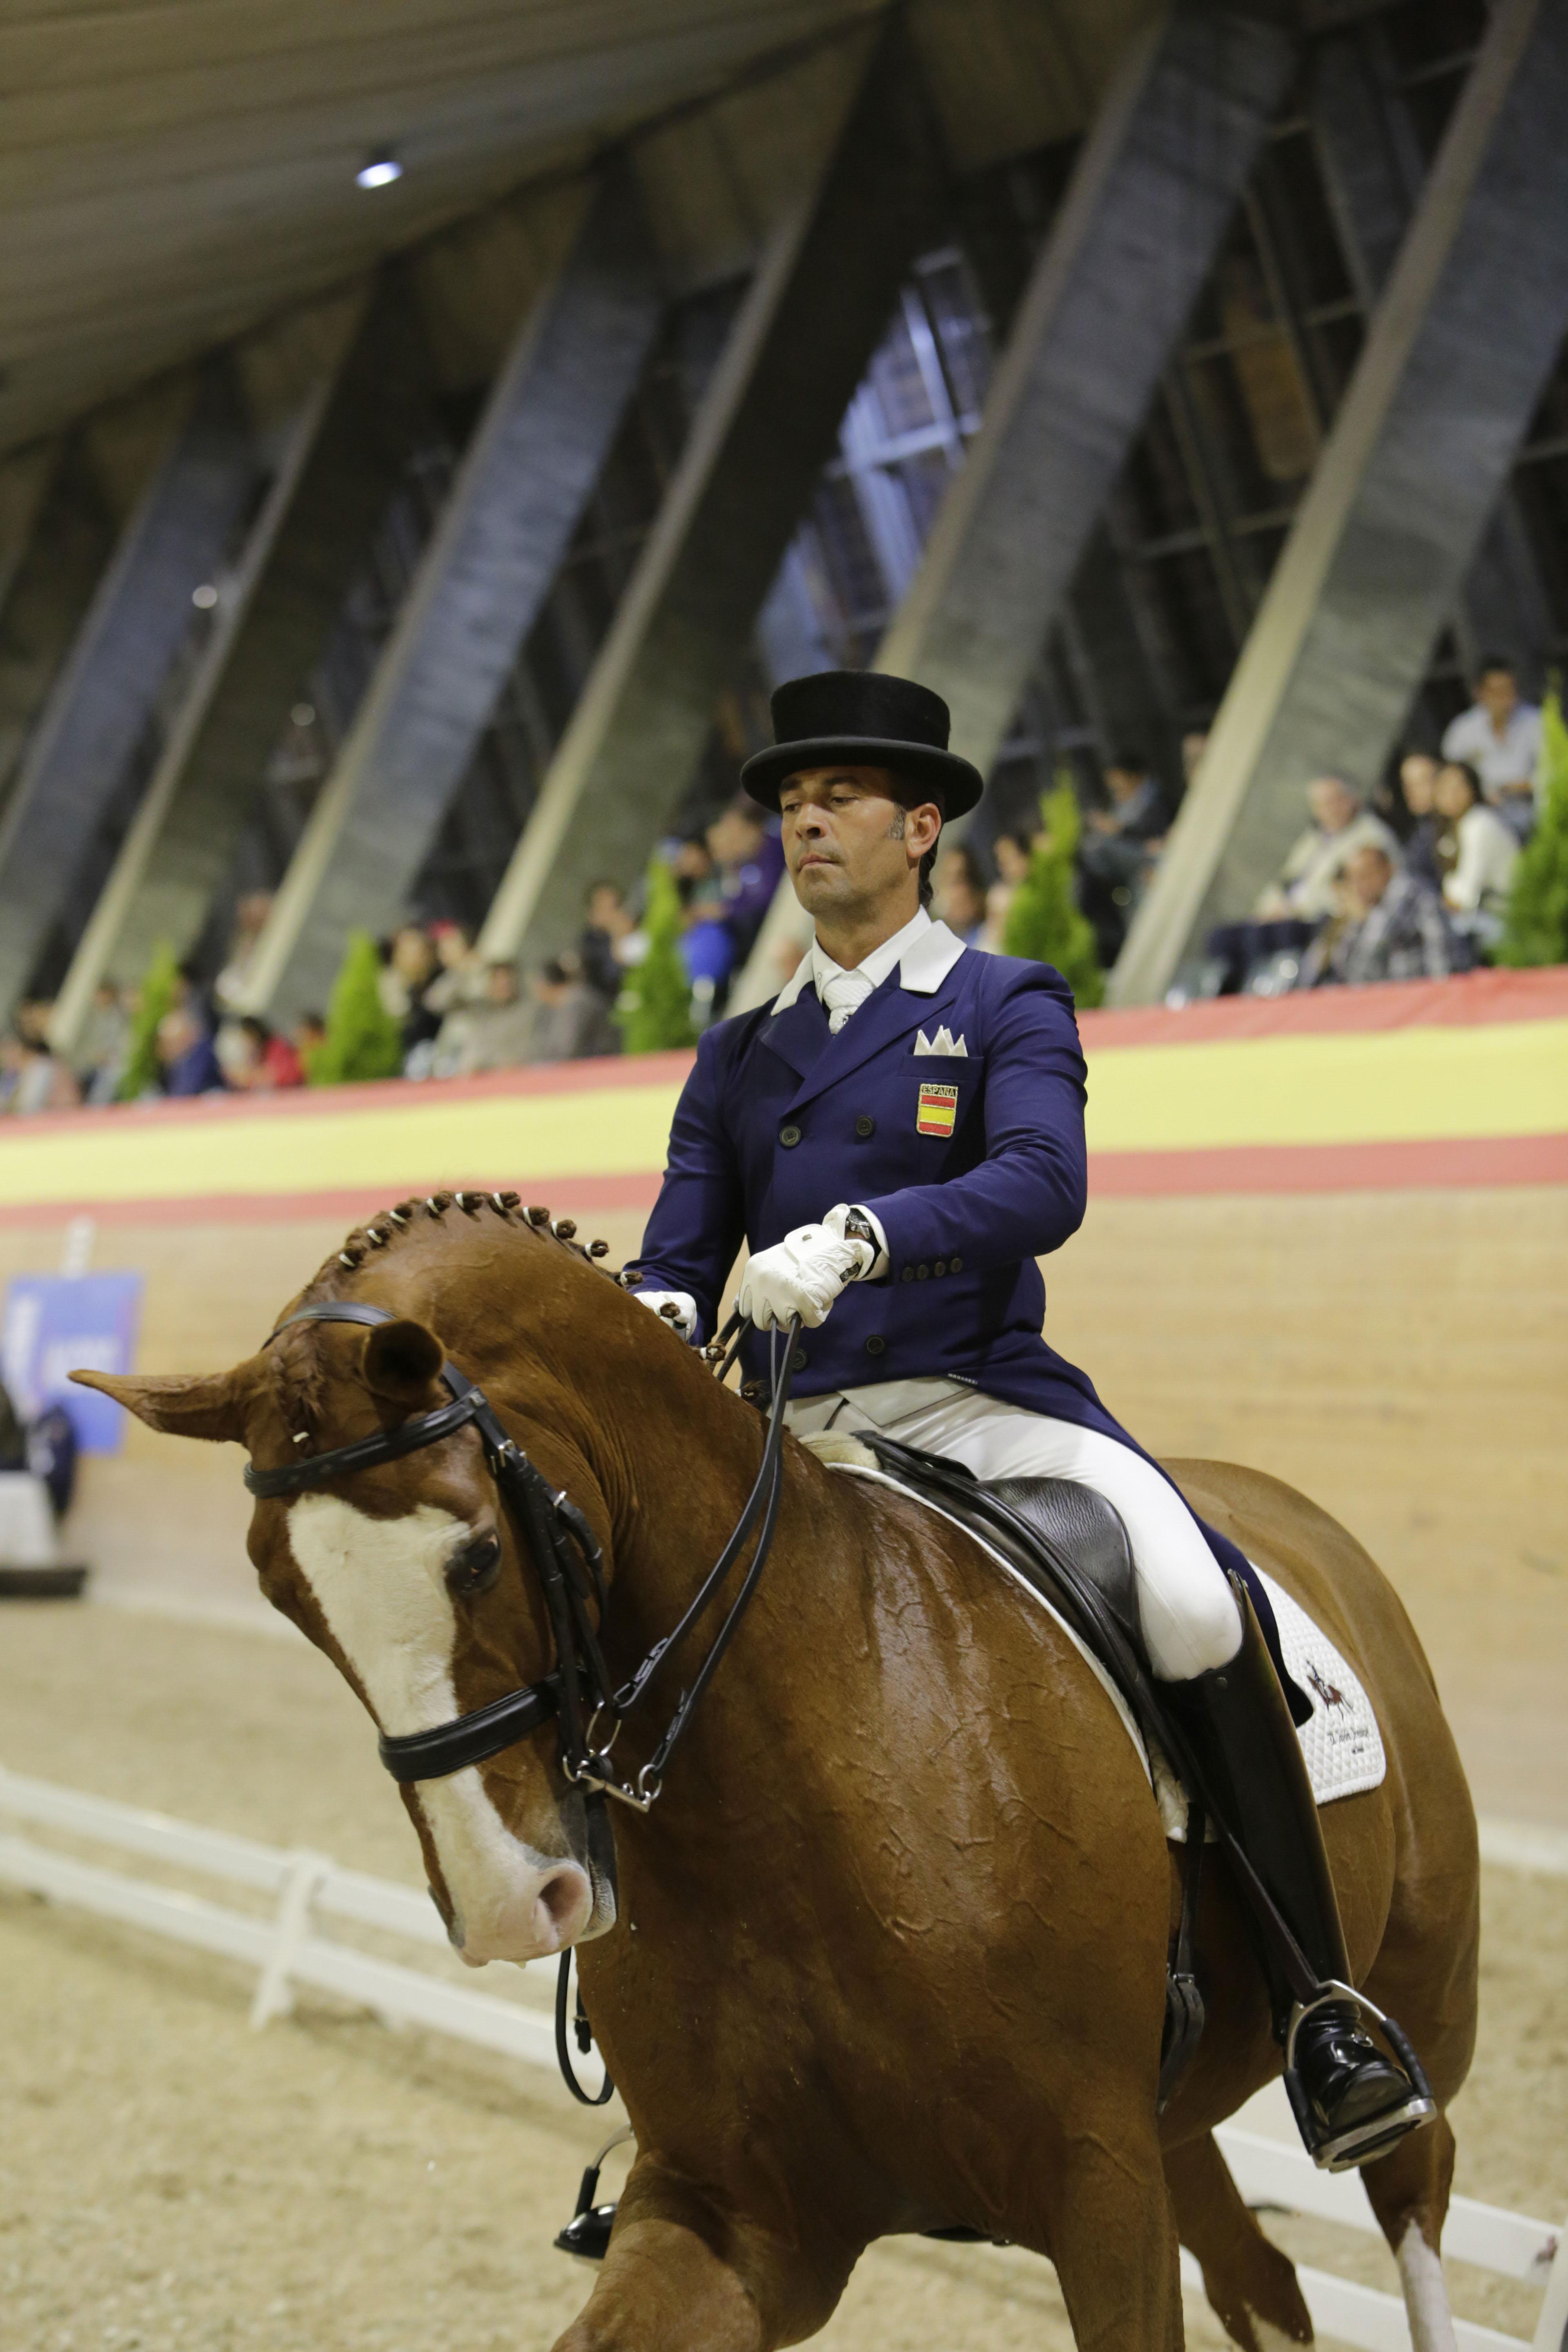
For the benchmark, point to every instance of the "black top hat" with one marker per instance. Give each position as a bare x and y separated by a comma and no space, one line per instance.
866,720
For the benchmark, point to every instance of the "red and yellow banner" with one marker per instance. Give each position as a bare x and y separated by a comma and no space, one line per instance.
1458,1082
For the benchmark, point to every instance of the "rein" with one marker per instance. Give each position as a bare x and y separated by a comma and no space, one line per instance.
578,1693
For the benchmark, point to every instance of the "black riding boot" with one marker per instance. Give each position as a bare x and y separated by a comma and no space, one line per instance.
1351,2100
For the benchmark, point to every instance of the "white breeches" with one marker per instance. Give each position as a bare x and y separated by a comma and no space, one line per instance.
1190,1620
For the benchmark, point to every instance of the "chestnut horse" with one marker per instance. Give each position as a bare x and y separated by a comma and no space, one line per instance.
889,1952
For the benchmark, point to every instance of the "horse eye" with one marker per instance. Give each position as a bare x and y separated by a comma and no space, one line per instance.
473,1570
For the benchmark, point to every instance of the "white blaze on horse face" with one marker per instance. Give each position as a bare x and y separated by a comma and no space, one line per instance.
380,1585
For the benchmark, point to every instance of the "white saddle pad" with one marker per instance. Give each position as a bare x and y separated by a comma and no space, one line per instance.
1341,1743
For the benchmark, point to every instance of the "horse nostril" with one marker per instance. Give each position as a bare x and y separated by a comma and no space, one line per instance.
562,1895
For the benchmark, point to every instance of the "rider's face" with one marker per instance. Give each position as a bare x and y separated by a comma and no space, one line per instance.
848,842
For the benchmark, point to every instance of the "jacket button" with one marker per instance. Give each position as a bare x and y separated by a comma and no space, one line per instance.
874,1344
865,1126
908,1275
955,1265
940,1267
789,1135
797,1362
921,1272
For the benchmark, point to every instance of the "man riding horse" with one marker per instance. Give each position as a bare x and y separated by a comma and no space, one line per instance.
898,1136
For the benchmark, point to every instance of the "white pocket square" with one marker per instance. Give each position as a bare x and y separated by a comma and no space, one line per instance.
944,1041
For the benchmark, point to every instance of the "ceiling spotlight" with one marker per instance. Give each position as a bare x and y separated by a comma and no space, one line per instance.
204,597
304,714
378,171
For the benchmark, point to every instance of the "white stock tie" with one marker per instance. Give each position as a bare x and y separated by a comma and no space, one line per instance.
845,993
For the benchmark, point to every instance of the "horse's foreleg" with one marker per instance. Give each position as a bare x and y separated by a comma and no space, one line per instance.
1114,2241
684,2275
662,2289
1409,2191
1251,2285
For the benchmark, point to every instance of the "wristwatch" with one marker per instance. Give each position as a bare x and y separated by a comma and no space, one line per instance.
858,1227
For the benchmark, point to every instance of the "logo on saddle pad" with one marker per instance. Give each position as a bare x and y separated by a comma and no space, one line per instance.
1330,1693
937,1110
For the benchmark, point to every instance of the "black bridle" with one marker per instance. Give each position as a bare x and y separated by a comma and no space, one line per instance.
570,1566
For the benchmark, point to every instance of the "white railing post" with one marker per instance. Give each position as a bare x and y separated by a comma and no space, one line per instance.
1552,2329
274,1996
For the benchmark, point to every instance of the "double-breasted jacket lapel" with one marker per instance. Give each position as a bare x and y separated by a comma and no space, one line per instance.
887,1013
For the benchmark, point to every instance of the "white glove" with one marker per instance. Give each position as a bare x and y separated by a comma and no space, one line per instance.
684,1320
802,1274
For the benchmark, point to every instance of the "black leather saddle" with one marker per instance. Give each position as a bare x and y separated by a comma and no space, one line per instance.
1063,1539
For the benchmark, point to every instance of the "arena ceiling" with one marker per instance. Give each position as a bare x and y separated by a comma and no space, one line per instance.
174,170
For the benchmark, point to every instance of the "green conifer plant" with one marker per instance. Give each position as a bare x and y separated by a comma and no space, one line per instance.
1535,928
143,1069
1044,921
654,1011
363,1040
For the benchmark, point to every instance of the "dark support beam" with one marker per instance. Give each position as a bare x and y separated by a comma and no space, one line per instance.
816,309
1128,712
1150,197
1458,351
1373,169
339,460
551,416
52,577
105,695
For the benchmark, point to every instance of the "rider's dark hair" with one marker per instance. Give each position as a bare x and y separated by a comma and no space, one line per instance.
910,794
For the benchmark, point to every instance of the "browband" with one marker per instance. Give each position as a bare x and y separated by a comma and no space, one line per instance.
382,1445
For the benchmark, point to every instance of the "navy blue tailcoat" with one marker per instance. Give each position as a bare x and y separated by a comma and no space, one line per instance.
975,1162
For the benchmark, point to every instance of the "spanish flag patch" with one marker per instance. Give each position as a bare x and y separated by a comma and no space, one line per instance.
937,1110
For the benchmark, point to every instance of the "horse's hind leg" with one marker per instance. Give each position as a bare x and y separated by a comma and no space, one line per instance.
1249,2283
1409,2191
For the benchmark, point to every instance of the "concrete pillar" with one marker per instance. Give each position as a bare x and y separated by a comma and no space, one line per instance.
1461,344
105,694
524,480
53,572
1373,169
768,423
1128,709
349,418
1135,237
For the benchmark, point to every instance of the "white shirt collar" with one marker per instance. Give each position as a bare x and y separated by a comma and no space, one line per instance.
925,952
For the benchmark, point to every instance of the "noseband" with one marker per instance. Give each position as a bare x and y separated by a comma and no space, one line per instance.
570,1566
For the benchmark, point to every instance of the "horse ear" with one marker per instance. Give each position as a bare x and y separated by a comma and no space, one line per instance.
399,1361
197,1404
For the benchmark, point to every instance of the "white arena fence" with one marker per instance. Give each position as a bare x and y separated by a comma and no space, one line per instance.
293,1945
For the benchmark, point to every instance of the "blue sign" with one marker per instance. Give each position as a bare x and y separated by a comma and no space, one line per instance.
57,1324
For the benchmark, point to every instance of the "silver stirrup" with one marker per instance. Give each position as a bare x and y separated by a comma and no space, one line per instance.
1343,2151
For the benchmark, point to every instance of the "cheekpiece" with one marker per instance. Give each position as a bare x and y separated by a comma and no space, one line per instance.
863,719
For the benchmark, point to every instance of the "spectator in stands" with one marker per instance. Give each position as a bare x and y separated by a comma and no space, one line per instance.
409,965
959,895
494,1034
105,1037
1500,735
708,949
1417,780
1340,826
460,977
186,1056
609,921
250,921
748,857
1120,848
310,1036
1476,890
1012,854
264,1061
570,1021
1391,926
32,1078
